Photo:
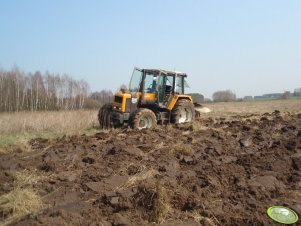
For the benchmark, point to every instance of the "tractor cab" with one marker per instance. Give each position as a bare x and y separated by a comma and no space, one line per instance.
157,86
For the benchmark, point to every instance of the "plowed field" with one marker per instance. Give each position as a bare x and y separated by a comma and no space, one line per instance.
225,171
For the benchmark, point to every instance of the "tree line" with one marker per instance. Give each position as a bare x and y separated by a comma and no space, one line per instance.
228,95
21,91
223,96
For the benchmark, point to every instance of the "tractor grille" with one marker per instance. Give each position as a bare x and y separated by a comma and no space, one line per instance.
118,99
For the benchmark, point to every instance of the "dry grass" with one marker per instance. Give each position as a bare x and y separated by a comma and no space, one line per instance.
17,128
138,178
22,200
161,205
201,220
169,127
61,121
17,204
182,148
253,107
25,178
197,127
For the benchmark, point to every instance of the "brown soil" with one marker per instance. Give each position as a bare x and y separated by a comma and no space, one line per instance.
215,172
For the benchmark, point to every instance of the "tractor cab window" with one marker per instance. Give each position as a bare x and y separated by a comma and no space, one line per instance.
135,81
179,85
169,84
150,82
165,88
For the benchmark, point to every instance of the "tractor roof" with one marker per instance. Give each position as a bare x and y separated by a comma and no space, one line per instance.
165,71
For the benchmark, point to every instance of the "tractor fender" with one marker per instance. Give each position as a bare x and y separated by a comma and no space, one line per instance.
175,99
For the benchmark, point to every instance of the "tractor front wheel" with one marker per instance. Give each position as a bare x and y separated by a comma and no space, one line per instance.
143,119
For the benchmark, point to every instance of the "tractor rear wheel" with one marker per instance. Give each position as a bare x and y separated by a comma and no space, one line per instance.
104,116
183,112
144,119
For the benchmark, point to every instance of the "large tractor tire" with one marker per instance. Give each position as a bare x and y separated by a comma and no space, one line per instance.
143,119
104,116
183,112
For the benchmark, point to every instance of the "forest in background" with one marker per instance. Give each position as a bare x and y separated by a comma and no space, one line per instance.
20,91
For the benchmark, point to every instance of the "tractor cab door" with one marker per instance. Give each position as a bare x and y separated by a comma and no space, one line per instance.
149,88
136,79
166,83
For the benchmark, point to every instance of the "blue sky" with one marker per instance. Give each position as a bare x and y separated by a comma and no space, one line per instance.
251,47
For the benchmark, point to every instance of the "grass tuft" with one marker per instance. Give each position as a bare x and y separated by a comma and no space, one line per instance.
25,178
201,220
197,126
161,205
181,148
22,200
138,178
17,204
